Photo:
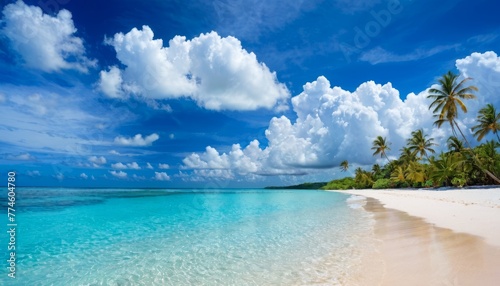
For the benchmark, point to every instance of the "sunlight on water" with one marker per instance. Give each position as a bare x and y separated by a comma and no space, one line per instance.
185,237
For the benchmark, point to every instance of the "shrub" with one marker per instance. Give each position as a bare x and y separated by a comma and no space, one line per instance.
383,184
428,184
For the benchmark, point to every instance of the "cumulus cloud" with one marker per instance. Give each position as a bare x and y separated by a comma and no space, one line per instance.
97,161
333,124
163,166
118,174
161,176
215,72
148,166
137,140
485,70
122,166
84,176
44,42
110,82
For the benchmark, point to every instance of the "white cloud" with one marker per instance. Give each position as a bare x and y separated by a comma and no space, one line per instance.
333,125
210,159
161,176
216,72
34,173
97,160
379,55
133,166
84,176
122,166
163,166
137,140
110,83
45,42
114,152
148,166
118,166
119,174
21,157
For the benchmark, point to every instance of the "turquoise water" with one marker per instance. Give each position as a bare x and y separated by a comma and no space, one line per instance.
183,237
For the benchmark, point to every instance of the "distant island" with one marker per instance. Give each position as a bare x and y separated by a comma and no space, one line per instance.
304,186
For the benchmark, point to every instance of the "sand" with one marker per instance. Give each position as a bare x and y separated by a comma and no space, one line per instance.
445,237
472,211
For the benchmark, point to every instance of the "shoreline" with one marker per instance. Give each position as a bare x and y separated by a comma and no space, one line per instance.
474,211
407,250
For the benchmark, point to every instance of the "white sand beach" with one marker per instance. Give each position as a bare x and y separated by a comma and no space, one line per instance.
472,211
431,237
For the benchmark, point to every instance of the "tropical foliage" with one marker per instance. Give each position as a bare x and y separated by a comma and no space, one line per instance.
489,121
458,165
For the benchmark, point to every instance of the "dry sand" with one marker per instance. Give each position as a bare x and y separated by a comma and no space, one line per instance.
472,211
421,237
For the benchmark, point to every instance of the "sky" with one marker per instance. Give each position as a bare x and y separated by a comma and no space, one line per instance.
228,93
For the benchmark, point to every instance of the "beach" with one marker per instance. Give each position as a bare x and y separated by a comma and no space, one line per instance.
431,237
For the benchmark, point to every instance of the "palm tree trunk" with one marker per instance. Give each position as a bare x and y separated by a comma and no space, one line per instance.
388,161
478,163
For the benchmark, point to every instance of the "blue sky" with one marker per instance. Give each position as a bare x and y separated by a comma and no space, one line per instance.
227,93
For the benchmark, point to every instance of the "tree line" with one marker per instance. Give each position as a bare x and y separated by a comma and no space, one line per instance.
418,164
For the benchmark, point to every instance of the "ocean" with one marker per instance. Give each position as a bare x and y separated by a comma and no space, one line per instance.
183,237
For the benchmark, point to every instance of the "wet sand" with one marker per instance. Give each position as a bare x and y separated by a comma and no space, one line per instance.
410,251
472,211
407,250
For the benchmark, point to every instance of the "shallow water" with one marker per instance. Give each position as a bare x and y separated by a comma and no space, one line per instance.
184,237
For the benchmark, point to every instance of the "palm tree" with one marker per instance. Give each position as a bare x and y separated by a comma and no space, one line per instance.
445,169
454,144
420,145
398,175
447,98
381,146
344,165
377,171
406,156
489,121
415,173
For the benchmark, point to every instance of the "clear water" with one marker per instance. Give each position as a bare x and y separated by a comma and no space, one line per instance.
183,237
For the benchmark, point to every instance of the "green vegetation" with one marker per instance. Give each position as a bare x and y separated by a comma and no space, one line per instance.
341,184
383,184
419,166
